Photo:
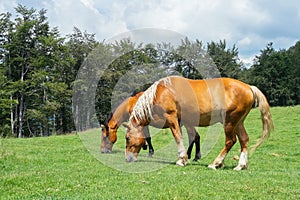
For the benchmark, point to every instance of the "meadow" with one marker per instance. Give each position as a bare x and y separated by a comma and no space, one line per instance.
71,166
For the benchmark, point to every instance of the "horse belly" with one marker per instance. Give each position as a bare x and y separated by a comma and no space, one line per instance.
207,119
201,119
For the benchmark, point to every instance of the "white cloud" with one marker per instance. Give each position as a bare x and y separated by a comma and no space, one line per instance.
85,15
7,6
250,24
90,5
244,42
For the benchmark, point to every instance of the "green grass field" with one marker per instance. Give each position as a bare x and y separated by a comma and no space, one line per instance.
71,167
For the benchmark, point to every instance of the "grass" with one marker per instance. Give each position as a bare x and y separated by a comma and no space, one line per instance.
68,167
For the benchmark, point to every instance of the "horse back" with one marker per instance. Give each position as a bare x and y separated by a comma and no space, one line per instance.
204,102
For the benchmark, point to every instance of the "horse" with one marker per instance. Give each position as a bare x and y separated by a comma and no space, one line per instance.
176,100
115,119
122,113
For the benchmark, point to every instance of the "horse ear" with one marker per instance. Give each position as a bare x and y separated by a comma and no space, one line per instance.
126,125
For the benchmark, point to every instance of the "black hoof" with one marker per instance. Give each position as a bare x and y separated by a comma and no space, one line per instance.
197,158
151,153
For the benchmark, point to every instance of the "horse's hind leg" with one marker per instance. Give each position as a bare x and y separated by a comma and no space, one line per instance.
191,144
198,152
229,142
194,138
243,139
148,139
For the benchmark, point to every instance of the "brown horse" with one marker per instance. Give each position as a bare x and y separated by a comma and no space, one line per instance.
113,122
121,114
176,100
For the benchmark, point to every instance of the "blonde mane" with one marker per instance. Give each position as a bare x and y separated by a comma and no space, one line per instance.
142,111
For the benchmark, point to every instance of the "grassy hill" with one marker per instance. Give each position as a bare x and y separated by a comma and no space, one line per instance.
71,167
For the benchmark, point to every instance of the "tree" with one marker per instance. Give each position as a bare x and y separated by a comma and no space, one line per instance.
84,87
79,44
294,54
126,56
33,57
193,62
226,60
272,72
5,106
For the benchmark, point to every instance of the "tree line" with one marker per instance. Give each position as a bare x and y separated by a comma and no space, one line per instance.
38,70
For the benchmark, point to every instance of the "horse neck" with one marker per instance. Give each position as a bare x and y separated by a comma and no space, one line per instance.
120,114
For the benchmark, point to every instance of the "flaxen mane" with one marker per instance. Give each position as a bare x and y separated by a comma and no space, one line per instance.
143,107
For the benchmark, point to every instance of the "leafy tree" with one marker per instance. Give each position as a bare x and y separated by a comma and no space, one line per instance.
79,44
127,56
5,106
32,61
85,85
272,73
226,60
192,61
294,54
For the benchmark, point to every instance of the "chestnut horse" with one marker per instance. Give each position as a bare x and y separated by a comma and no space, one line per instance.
121,114
176,100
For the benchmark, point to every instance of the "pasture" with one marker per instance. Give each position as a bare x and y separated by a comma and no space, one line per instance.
68,167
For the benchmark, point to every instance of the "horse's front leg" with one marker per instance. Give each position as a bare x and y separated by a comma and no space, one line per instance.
176,131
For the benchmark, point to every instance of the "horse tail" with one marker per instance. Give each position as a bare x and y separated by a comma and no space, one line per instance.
261,101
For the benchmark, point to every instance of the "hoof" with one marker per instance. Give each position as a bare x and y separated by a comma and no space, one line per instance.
151,153
212,166
197,158
181,162
240,167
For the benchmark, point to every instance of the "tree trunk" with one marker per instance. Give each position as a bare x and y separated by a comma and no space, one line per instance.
76,118
21,114
12,120
88,123
21,102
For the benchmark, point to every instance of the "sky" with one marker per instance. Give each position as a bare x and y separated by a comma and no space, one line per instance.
248,24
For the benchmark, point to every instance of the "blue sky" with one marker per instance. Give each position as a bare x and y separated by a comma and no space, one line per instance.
249,24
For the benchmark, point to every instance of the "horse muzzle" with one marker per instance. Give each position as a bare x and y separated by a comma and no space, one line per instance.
130,157
105,150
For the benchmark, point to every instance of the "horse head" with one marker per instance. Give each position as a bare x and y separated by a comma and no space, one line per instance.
135,140
108,138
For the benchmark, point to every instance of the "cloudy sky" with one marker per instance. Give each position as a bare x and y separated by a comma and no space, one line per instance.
250,24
